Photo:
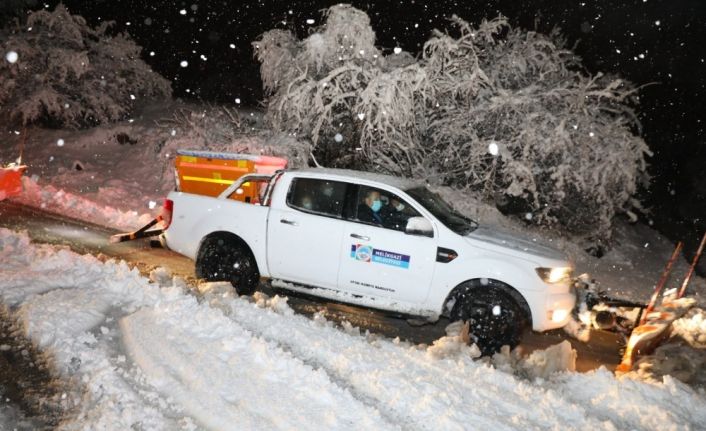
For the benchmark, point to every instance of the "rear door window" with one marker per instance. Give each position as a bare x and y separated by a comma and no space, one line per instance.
317,196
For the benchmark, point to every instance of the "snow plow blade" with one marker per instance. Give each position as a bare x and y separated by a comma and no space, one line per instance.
143,232
655,323
647,336
11,181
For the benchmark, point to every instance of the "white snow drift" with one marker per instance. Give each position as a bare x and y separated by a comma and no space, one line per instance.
149,355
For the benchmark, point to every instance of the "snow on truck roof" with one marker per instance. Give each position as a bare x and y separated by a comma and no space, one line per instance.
348,174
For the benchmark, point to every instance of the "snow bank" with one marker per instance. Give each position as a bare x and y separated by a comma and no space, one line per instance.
70,306
147,355
540,364
65,301
692,328
59,201
420,391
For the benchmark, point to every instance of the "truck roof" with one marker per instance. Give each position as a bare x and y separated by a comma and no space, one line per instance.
348,174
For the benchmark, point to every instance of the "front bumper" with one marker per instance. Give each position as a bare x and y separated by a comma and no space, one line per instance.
557,308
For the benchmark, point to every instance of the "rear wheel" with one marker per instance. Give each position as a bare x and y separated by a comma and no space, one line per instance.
495,317
225,259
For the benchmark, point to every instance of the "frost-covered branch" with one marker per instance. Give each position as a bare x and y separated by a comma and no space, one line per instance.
506,112
70,74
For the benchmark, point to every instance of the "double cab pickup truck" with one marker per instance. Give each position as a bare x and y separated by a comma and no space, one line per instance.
375,241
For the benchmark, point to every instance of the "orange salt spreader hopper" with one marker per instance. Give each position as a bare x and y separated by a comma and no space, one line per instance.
209,173
11,180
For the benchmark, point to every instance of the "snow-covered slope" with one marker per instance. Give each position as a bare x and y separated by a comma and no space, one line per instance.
149,355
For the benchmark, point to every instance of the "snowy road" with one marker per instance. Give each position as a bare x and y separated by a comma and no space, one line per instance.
83,237
142,353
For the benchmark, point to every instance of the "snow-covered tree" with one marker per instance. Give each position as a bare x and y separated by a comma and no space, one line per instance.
60,71
503,111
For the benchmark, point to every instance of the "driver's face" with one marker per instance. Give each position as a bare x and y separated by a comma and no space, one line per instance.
372,197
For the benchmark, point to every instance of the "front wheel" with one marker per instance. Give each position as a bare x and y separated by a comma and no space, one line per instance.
495,317
223,259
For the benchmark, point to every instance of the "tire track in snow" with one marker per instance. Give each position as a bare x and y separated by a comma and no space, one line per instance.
226,378
422,392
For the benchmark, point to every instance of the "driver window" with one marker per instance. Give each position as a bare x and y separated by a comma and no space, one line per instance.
382,208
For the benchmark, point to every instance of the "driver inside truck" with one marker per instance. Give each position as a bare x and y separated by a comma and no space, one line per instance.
369,208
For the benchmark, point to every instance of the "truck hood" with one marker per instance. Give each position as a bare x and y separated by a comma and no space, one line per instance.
516,243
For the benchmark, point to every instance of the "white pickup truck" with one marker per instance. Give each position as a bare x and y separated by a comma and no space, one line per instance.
376,241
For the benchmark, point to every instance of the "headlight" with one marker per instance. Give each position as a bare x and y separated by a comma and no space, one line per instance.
554,275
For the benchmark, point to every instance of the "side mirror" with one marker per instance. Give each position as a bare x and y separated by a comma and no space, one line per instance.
419,226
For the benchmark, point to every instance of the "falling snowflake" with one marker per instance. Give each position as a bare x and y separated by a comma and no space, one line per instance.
60,143
237,100
232,46
493,148
11,57
182,12
152,204
338,137
397,50
528,216
310,21
184,63
151,53
361,116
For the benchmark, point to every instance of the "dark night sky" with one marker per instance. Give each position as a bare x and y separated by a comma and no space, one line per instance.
645,41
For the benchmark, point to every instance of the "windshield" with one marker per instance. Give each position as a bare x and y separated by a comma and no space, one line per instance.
441,210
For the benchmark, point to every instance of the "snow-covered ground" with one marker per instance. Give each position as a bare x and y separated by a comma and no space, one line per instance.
148,354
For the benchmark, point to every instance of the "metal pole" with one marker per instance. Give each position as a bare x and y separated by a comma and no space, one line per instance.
682,290
660,284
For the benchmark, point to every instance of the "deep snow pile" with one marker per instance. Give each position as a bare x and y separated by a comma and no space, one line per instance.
148,355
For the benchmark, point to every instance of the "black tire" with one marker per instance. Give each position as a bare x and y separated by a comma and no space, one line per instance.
225,259
495,317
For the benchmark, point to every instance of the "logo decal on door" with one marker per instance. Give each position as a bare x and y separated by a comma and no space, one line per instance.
366,253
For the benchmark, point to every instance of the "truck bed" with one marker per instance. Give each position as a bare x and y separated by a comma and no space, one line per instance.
195,216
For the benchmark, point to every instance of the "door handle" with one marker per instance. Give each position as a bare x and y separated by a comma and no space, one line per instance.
356,236
289,222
